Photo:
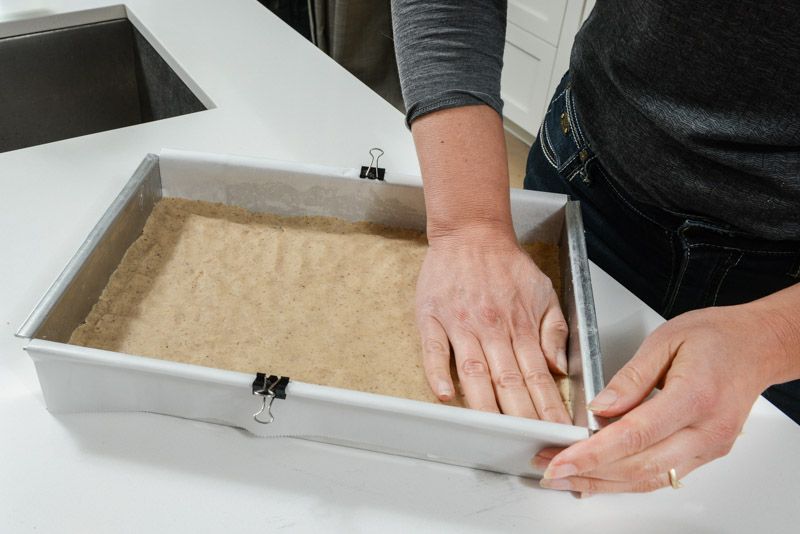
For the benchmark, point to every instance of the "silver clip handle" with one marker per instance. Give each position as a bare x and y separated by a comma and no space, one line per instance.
267,397
265,406
376,154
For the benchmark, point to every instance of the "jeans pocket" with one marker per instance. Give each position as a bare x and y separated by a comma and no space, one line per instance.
721,267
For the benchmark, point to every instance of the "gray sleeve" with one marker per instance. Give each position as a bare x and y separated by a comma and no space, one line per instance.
449,53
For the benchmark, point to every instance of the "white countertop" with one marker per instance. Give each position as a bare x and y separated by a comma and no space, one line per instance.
275,95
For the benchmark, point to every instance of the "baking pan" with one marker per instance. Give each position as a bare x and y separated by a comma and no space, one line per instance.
80,379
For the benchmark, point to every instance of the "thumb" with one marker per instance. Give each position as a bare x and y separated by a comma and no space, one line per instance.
637,378
553,334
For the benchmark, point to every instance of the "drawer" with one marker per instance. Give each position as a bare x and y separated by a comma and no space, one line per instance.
542,18
527,70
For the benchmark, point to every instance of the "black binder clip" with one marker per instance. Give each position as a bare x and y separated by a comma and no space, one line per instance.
373,172
269,388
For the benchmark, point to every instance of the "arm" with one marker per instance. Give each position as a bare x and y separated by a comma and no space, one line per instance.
449,55
478,292
714,363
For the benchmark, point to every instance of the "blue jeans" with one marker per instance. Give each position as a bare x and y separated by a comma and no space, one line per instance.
674,262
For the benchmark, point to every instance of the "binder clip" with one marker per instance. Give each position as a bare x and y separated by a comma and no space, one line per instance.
269,388
373,172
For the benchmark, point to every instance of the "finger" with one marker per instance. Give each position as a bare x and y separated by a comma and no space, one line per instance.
593,485
553,334
687,449
473,371
541,386
672,409
637,378
436,358
509,385
651,475
544,456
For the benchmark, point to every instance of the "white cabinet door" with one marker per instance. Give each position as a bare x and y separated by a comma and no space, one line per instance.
527,69
539,17
587,9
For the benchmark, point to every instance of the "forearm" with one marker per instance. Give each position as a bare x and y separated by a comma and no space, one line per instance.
779,313
464,167
449,56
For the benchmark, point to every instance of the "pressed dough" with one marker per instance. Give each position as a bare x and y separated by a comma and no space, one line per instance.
318,299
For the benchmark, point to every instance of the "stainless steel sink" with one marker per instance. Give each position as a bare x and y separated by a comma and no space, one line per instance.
84,79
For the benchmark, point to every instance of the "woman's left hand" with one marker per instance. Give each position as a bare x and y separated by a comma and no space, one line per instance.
713,363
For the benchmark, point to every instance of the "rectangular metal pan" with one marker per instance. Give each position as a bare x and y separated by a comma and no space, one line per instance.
80,379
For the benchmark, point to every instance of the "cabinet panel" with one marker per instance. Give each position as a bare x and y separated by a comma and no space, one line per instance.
528,65
542,18
587,9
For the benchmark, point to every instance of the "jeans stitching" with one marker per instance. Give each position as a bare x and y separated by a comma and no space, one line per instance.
725,275
571,176
684,266
569,160
543,138
795,272
553,152
575,127
671,267
740,249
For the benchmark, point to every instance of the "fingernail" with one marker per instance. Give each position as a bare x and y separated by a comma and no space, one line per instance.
555,484
586,495
560,471
445,391
604,400
561,361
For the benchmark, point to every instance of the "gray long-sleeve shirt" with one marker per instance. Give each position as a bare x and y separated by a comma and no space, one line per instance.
692,106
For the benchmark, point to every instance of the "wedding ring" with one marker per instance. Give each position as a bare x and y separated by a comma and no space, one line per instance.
673,479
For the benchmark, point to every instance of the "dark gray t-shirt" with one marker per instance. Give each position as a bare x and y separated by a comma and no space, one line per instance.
692,106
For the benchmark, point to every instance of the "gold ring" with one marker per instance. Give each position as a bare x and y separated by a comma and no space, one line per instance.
673,479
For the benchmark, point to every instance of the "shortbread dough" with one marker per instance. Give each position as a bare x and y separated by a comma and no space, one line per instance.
318,299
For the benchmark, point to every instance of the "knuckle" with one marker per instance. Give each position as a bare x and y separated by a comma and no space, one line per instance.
434,347
728,429
650,485
722,449
474,368
522,325
551,413
490,315
591,485
634,437
538,378
558,326
509,380
461,315
544,284
631,373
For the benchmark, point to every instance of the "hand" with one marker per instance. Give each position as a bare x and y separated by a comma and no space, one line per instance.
481,294
713,364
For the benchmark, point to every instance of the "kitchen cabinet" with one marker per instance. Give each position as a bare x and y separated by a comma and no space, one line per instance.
539,37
